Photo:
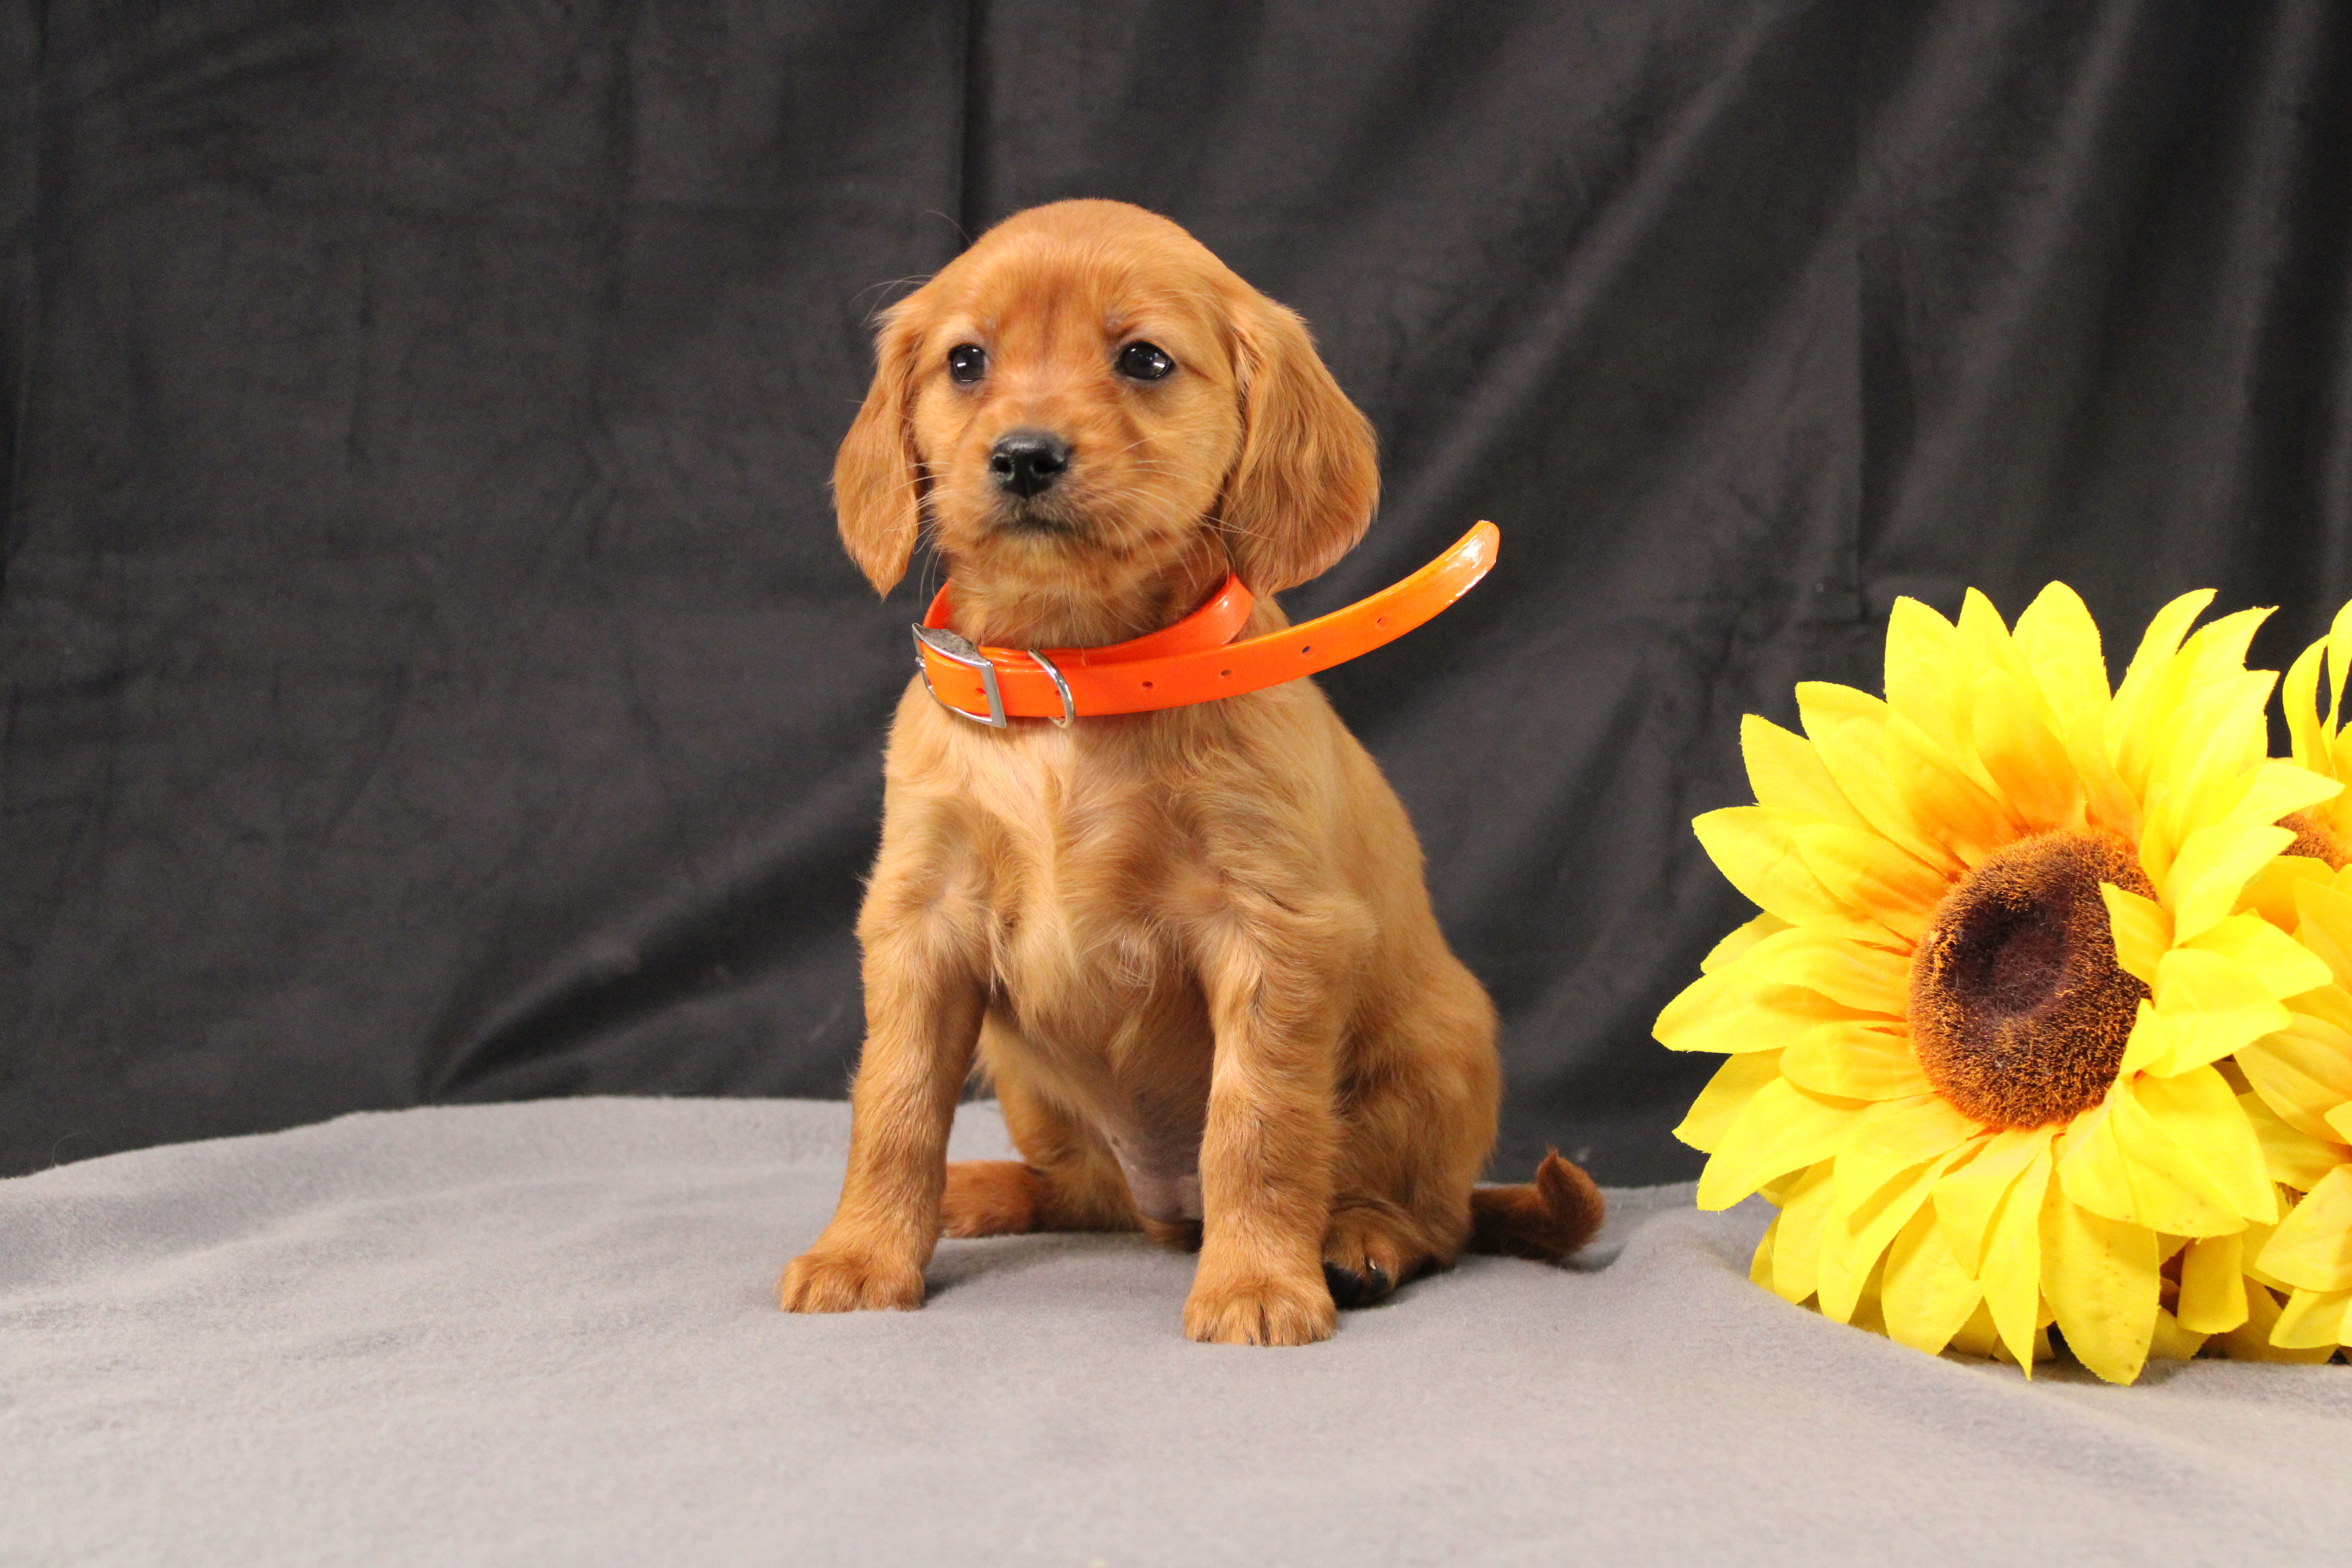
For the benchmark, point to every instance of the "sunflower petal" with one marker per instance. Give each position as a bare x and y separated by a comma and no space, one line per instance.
2280,965
1872,875
2289,1156
2326,915
2199,1111
1865,1232
2023,759
1733,1011
2306,734
2128,719
1856,1061
2195,1165
2210,750
1854,974
1919,662
2210,1007
2213,1284
2100,1276
2258,1236
2252,1341
2302,1072
2212,869
1787,773
2111,803
1726,1097
2219,648
1781,1129
1927,1294
2203,694
1760,1262
1848,729
1968,1199
2142,930
1950,806
2330,1004
2149,1042
2172,1341
2270,892
2060,643
2092,1169
1741,939
2276,789
1755,849
2339,662
2312,1320
1985,642
2311,1248
2011,1270
1797,1251
1894,1136
1977,1337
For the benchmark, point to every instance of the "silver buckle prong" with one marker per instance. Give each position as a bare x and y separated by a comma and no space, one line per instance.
959,650
1069,708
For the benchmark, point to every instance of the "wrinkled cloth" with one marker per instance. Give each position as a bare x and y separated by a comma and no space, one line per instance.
546,1332
429,671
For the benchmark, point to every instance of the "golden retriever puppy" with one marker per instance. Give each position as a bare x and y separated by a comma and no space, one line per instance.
1191,948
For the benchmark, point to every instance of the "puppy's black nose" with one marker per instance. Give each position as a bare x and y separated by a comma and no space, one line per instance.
1027,462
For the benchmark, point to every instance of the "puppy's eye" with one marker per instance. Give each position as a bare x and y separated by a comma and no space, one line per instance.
966,362
1144,362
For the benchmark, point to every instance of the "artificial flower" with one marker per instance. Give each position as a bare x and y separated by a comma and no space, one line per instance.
2300,1077
1973,1034
2319,742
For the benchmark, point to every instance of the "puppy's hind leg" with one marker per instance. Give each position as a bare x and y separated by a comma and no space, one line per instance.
1371,1247
1418,1113
1068,1179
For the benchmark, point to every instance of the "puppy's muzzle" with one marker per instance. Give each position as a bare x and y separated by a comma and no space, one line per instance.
1026,463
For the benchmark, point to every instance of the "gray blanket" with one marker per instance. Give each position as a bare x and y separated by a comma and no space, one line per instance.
547,1334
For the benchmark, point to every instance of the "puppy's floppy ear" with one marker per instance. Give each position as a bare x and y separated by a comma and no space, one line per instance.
877,477
1303,490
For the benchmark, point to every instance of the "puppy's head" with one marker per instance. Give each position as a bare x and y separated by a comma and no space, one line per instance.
1087,403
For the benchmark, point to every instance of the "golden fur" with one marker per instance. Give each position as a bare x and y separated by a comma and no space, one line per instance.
1192,949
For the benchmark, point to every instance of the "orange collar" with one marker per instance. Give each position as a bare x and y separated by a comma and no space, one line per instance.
1195,660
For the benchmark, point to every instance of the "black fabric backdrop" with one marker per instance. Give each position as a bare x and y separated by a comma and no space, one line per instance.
431,675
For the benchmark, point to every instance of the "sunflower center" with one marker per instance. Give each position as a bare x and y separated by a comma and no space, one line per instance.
2019,1010
2313,837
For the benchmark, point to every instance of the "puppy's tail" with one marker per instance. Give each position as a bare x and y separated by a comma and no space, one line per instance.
1546,1219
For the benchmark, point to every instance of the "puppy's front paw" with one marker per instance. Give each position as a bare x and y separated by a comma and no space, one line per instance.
1262,1311
820,1281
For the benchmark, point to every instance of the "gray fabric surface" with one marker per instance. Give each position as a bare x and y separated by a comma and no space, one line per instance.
546,1334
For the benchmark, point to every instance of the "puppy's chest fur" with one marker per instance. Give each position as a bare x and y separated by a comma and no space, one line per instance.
1090,878
1094,881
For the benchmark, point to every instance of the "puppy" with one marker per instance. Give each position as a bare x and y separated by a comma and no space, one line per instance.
1192,949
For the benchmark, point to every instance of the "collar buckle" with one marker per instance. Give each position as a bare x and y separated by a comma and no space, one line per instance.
956,649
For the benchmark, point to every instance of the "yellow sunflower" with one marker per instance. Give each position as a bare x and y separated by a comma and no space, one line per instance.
1972,1035
2300,1077
2319,744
